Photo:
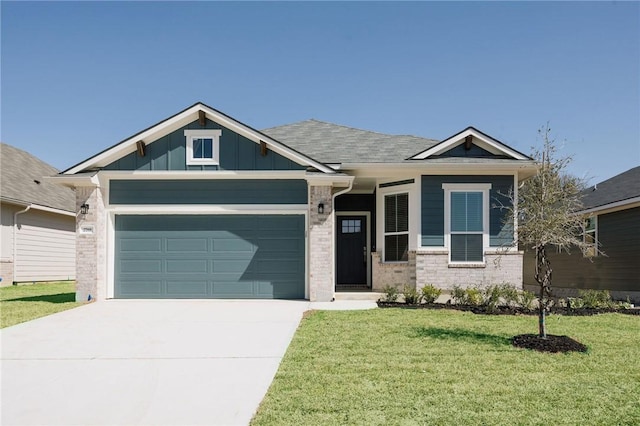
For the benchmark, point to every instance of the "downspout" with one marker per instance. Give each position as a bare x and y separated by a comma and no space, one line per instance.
335,235
15,239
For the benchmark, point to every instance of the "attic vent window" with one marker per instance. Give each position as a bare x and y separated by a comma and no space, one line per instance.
203,146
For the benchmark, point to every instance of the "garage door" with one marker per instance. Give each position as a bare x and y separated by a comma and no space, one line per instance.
212,256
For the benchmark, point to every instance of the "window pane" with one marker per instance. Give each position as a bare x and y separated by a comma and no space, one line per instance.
466,248
466,211
396,213
208,148
390,213
197,148
396,248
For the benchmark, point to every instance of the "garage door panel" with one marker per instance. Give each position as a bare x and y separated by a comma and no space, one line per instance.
227,256
193,245
152,245
187,288
186,266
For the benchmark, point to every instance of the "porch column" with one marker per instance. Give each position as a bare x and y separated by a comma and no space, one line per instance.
321,281
90,245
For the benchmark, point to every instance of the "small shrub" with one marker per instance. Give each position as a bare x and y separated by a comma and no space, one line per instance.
390,293
510,295
575,302
474,296
526,299
458,295
411,295
491,297
429,293
596,298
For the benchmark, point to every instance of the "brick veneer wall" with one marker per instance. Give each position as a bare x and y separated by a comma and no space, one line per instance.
321,251
393,274
433,268
90,248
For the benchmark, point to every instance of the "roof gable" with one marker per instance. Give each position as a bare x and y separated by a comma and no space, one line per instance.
183,118
474,143
22,176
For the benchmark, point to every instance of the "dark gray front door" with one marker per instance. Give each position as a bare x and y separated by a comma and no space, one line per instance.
352,250
210,256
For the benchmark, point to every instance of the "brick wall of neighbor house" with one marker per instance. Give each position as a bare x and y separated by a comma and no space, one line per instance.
90,247
392,274
320,245
433,268
6,272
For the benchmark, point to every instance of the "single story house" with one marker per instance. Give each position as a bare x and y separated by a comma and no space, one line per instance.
37,221
611,210
202,205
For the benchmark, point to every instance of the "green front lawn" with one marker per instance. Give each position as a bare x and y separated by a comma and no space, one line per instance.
419,367
26,302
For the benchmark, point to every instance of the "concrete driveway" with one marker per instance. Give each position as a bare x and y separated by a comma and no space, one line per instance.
146,362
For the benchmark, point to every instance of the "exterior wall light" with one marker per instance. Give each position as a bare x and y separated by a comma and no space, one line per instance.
84,209
321,208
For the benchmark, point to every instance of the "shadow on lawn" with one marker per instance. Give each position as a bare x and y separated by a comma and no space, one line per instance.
461,334
50,298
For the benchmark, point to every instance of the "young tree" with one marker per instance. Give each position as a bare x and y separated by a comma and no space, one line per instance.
546,212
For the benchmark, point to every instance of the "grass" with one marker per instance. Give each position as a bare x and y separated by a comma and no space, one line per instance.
26,302
415,367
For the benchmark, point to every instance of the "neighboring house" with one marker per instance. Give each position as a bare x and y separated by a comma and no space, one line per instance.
37,221
612,214
201,205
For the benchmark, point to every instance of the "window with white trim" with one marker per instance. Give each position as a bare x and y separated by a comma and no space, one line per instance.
203,146
466,221
396,227
590,236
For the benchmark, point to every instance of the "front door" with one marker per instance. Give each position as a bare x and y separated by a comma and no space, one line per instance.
352,250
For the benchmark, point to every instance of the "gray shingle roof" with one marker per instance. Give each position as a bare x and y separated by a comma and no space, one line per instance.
622,187
19,172
332,143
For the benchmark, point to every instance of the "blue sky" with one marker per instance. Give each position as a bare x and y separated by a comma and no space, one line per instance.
79,77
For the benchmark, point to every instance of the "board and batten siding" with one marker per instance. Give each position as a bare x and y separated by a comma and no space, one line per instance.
243,191
432,208
45,247
236,153
617,270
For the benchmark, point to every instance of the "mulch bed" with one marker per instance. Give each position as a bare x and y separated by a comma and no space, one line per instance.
508,310
551,343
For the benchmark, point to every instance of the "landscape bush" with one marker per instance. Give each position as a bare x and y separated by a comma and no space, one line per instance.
410,294
429,293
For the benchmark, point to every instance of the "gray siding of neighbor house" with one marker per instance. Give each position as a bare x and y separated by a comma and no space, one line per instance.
244,191
433,208
236,153
45,247
617,270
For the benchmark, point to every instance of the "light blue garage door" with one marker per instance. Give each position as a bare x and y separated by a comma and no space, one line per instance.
209,256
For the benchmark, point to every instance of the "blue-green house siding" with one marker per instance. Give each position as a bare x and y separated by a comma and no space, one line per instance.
207,191
432,208
236,153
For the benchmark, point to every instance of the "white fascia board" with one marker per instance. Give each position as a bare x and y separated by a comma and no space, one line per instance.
613,207
332,180
33,206
447,144
73,181
401,169
174,123
201,174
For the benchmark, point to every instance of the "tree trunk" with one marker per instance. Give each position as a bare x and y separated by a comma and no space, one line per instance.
543,277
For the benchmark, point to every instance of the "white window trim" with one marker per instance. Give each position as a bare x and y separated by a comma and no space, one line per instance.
467,187
213,134
414,213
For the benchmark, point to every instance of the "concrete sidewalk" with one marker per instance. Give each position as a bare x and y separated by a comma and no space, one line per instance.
125,362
